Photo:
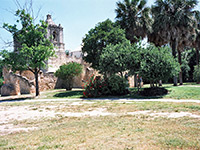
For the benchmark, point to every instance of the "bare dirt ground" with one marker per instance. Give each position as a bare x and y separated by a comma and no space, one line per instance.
10,116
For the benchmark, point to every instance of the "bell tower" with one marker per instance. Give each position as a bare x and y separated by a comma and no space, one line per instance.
55,34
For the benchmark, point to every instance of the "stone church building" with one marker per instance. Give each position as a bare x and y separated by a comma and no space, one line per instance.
24,82
56,31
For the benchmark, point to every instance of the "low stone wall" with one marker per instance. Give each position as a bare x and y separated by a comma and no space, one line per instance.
24,82
15,84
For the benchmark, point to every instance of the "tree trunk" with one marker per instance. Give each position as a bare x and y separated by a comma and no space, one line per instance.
197,56
121,73
36,83
160,82
174,48
180,73
135,80
69,84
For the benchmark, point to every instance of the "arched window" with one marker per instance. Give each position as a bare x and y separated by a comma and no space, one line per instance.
54,36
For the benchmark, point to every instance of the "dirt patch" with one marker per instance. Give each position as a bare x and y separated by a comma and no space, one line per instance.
11,114
10,128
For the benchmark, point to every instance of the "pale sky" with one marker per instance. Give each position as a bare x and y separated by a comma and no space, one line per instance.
77,17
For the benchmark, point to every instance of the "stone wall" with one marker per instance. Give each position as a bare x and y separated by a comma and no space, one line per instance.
24,82
15,84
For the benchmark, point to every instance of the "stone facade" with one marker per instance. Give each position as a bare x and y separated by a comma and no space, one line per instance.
55,34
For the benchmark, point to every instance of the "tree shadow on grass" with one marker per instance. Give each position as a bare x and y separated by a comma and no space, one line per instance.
70,94
135,95
16,99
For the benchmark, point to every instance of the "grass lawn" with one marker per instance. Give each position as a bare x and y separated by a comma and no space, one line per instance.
62,93
118,130
187,91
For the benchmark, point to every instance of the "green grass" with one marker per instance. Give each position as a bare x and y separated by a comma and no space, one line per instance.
187,91
61,93
183,92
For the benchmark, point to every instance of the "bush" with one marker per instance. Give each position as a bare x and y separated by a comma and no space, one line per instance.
67,72
1,82
117,85
196,74
96,87
93,87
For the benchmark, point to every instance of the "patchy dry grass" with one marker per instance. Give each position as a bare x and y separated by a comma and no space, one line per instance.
121,131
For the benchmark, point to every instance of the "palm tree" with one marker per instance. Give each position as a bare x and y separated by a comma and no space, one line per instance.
174,23
196,43
133,16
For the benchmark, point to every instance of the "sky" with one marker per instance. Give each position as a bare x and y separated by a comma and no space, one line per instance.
77,17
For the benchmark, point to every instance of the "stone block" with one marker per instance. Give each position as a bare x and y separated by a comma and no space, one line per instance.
9,90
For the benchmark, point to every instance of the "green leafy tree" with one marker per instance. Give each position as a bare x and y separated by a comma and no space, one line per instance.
103,34
157,64
67,72
196,74
134,17
33,48
120,58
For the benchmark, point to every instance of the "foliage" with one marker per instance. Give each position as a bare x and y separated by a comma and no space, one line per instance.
1,82
188,63
119,58
103,34
68,71
1,68
196,74
134,17
174,23
93,88
33,48
157,64
117,85
172,17
1,73
96,87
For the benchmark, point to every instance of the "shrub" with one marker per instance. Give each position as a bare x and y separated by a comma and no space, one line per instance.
67,72
1,82
196,74
92,88
96,87
117,85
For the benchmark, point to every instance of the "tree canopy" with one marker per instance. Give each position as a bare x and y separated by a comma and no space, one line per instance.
120,58
68,71
134,17
157,64
96,39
